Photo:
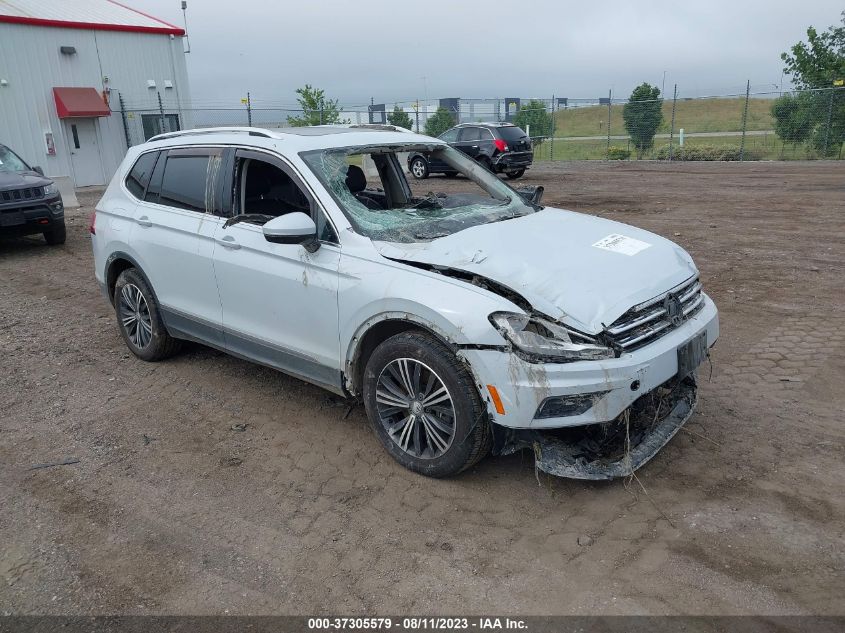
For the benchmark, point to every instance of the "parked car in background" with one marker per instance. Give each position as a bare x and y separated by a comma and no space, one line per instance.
501,147
465,321
30,203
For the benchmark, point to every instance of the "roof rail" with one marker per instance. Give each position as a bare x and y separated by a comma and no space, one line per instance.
387,127
252,131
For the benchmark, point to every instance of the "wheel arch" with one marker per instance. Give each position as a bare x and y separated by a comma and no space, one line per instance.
375,331
116,263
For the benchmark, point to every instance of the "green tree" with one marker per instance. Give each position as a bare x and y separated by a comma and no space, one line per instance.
794,117
439,122
643,114
819,64
820,61
400,118
316,108
534,118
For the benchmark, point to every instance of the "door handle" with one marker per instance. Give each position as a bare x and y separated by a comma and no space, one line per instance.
475,147
229,242
144,221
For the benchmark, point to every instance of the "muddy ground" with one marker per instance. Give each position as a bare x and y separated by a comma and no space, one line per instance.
170,510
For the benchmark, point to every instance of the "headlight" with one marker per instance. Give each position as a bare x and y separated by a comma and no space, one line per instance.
51,189
544,339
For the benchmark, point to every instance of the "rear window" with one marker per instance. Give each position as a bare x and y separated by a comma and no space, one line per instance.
510,133
139,177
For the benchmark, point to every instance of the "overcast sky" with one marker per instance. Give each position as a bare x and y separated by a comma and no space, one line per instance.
400,50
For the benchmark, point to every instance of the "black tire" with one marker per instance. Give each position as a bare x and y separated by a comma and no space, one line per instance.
513,175
419,168
57,234
156,344
471,437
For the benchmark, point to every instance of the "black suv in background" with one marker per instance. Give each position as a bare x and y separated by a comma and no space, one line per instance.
501,147
29,202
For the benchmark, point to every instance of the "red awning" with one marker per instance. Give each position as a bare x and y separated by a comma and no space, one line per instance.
76,102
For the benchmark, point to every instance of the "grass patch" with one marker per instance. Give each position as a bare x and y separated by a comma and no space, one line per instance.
759,147
694,115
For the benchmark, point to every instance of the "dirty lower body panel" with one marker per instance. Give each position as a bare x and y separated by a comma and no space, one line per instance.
612,449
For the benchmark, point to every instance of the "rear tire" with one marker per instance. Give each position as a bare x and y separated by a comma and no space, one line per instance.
57,235
419,168
513,175
440,431
139,319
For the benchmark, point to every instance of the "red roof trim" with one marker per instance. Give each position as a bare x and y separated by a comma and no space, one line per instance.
147,15
94,26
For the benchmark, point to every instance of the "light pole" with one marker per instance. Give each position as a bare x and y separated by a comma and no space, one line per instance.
663,86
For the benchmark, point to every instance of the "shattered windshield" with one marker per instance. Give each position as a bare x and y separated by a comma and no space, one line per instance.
9,161
371,187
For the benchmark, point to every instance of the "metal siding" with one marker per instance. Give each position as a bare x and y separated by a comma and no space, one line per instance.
32,64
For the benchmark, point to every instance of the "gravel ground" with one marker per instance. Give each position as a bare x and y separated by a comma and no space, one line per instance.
170,510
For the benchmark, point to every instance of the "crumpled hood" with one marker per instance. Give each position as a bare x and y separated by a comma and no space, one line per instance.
561,262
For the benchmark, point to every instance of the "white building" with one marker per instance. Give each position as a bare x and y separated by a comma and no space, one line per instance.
64,67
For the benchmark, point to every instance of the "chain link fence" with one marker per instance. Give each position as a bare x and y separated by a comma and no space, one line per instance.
752,125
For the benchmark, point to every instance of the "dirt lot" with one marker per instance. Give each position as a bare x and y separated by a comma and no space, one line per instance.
170,510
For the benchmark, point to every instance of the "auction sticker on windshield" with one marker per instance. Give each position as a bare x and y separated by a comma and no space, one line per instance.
621,244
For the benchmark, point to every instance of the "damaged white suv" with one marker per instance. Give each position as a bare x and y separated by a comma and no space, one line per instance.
467,320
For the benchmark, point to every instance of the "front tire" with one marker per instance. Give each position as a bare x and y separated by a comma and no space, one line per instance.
139,319
57,235
419,168
424,407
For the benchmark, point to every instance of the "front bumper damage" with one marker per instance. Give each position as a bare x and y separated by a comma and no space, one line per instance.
612,449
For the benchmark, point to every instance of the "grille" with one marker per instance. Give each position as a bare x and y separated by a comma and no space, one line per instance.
16,195
650,320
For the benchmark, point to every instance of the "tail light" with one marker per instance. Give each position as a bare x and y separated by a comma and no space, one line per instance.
91,228
501,145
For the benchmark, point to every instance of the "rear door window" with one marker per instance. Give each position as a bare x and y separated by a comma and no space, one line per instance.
187,179
184,183
470,134
139,177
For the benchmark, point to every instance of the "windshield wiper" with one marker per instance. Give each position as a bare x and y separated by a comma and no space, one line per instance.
431,236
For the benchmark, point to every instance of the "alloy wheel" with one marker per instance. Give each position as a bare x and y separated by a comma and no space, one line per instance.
415,408
135,316
418,168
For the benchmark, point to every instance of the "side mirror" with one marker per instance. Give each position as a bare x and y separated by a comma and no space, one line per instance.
292,228
38,171
534,195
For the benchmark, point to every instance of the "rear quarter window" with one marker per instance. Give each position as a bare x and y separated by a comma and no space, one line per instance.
139,176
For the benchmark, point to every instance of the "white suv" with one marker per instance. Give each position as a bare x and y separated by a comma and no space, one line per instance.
466,320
